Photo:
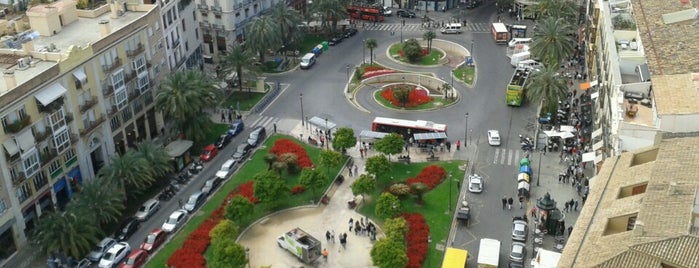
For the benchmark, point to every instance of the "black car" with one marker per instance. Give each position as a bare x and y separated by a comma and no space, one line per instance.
127,228
241,152
224,140
350,32
258,135
336,39
405,13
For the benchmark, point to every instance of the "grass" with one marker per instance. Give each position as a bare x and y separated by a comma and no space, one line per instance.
247,100
308,43
430,59
254,165
434,208
465,74
436,102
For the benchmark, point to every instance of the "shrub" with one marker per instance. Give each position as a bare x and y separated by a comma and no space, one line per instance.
399,189
415,96
376,73
430,176
416,239
283,146
298,189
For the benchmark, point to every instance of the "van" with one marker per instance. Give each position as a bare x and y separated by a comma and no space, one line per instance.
451,28
519,41
519,57
308,60
529,64
257,135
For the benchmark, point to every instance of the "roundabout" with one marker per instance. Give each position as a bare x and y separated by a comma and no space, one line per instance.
413,97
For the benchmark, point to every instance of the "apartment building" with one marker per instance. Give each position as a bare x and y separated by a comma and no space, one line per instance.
641,58
642,210
181,32
78,86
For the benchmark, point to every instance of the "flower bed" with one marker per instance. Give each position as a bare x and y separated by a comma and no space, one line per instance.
370,74
283,146
423,52
416,96
430,176
416,239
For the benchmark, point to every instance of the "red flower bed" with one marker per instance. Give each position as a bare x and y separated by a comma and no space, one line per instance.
372,68
416,239
377,73
430,176
415,97
283,146
298,189
423,52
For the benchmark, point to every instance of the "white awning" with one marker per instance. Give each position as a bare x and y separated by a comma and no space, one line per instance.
321,123
567,128
567,135
596,133
80,75
11,147
586,157
598,145
26,141
50,94
598,159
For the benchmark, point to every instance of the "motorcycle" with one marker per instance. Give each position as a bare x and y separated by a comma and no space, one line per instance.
196,167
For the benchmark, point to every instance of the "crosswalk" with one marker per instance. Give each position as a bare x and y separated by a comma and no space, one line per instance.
264,121
508,157
395,27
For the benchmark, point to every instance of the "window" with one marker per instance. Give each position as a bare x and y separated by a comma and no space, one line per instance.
23,192
620,224
143,83
3,206
164,22
157,25
139,65
122,99
69,155
148,98
14,173
61,140
137,106
126,114
184,29
114,123
57,120
118,79
632,190
55,165
40,180
150,31
31,163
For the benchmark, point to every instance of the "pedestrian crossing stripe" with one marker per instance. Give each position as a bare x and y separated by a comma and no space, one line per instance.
506,157
396,27
265,121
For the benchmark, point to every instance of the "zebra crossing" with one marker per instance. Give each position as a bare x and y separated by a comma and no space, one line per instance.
264,121
508,157
395,27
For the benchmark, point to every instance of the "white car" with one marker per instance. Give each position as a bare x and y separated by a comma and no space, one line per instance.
174,221
387,11
115,255
226,169
475,183
494,137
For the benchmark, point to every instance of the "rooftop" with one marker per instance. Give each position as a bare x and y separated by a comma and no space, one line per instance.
643,114
657,187
677,94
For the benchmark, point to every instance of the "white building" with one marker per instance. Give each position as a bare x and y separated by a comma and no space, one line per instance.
181,32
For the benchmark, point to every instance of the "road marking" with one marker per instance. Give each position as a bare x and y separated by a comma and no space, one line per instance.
497,152
503,156
256,121
517,156
509,157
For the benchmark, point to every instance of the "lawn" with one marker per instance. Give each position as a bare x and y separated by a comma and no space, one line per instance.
254,165
434,208
436,102
308,42
430,59
465,74
247,100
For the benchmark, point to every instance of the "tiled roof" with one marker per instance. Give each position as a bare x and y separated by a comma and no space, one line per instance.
630,258
682,251
676,94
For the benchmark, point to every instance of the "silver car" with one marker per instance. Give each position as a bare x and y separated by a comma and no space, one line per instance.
96,254
518,252
519,230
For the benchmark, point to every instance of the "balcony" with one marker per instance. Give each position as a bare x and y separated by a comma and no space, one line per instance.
19,179
135,52
49,156
87,104
202,7
175,43
18,125
51,107
134,95
112,110
92,125
110,68
41,136
69,118
204,25
107,89
130,76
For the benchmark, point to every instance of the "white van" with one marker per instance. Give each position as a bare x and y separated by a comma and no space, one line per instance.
530,64
308,60
451,28
519,57
517,41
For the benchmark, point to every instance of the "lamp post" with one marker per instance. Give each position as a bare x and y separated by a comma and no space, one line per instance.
466,131
449,202
247,256
538,170
327,136
348,74
302,117
401,29
471,49
363,50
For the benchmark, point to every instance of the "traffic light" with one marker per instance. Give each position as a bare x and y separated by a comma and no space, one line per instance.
403,22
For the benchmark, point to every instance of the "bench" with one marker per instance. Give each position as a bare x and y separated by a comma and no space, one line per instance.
404,160
433,158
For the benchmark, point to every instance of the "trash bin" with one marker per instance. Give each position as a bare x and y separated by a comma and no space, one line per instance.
325,45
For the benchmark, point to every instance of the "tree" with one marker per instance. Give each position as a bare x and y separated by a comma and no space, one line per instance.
344,138
270,159
280,166
371,44
553,8
331,11
157,158
390,144
239,209
546,84
225,229
263,34
412,50
67,232
292,162
127,171
446,87
287,18
389,253
312,179
395,228
98,200
228,254
238,59
552,41
428,36
329,159
377,165
388,206
269,188
402,94
365,184
419,189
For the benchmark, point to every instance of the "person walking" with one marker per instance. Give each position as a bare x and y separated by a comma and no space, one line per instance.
332,236
521,202
327,236
351,223
566,207
504,202
275,127
325,255
355,170
575,205
510,201
570,230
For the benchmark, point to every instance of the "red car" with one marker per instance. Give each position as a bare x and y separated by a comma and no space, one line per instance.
153,240
210,151
136,259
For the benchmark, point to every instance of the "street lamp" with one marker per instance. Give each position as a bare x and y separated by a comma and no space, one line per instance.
401,29
247,256
364,51
327,135
472,49
466,132
348,74
538,170
302,117
449,202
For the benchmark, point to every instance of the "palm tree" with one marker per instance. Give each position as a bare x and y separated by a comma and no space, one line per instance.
287,18
553,8
157,158
263,34
331,11
429,35
371,45
552,41
235,59
67,232
128,171
546,84
99,200
402,94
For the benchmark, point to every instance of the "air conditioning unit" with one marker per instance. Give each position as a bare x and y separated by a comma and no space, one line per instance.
24,63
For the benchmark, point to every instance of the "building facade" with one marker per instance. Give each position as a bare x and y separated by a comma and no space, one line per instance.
79,87
181,32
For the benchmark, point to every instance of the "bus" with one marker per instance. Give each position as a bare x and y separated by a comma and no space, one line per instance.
362,11
455,258
515,89
405,127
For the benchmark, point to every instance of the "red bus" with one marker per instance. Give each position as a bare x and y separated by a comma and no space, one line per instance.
366,12
405,127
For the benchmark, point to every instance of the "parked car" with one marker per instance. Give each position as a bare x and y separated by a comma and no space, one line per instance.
96,254
405,13
519,230
223,140
195,200
147,209
518,252
387,11
475,183
494,137
211,185
350,32
336,39
153,240
209,152
241,152
227,168
256,136
115,255
84,263
136,259
127,228
174,221
236,127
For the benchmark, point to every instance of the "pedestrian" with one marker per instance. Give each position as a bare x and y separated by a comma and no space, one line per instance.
458,145
350,171
275,127
179,202
448,146
332,236
361,152
570,230
510,201
532,212
356,228
566,207
327,236
575,205
355,170
504,202
325,255
521,202
343,240
571,203
223,117
351,223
